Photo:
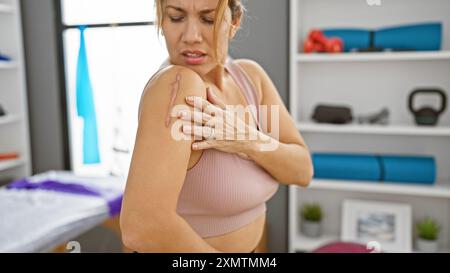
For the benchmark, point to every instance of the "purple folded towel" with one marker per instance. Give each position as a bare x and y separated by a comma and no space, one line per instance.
112,197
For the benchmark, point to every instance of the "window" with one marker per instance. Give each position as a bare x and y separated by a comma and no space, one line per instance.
123,51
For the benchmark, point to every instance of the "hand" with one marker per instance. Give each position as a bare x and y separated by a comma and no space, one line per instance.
218,126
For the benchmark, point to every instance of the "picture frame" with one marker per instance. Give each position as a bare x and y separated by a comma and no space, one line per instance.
385,226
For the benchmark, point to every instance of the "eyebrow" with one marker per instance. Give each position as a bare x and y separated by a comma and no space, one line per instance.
205,11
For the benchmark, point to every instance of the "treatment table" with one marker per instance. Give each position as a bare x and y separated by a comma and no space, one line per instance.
42,212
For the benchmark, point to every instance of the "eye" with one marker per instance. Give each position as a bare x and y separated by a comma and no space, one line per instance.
176,19
209,21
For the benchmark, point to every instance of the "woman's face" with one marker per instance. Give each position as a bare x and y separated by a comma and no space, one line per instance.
188,28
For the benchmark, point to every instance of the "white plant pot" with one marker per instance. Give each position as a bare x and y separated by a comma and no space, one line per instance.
426,245
311,229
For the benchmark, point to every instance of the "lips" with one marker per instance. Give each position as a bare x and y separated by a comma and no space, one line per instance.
193,53
194,57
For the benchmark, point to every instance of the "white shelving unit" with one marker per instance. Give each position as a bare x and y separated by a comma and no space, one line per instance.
9,164
9,119
368,82
399,130
371,57
7,65
6,8
14,128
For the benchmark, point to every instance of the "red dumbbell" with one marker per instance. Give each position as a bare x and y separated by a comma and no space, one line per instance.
335,45
309,46
317,36
331,45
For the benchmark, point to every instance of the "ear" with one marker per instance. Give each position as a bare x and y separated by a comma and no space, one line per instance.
235,25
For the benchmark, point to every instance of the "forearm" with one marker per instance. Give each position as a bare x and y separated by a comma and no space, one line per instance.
288,163
175,237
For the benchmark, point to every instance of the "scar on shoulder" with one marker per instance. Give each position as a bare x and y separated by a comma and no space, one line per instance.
173,96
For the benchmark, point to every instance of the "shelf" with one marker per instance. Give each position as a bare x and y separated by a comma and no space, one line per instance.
401,130
387,79
374,57
4,8
9,119
303,243
10,164
7,65
440,190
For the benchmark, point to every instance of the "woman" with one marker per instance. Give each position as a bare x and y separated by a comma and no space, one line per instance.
206,193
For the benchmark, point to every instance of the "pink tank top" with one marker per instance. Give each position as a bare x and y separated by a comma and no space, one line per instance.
224,192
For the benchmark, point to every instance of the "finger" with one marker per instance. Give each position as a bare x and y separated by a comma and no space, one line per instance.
214,99
199,132
203,105
203,145
197,117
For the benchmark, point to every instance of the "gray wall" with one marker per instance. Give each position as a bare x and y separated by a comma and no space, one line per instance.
264,38
46,119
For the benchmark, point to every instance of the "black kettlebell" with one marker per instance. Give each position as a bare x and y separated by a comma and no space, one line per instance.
427,115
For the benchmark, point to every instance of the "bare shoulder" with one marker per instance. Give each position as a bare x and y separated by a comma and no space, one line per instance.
152,190
251,67
172,80
255,71
170,73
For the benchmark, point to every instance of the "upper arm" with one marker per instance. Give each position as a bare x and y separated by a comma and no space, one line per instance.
269,96
159,162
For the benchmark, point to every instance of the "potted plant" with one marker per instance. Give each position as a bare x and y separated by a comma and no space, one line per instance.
428,233
311,215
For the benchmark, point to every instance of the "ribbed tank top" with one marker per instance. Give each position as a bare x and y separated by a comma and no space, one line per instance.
224,192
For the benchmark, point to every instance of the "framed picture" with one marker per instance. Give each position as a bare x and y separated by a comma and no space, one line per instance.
385,226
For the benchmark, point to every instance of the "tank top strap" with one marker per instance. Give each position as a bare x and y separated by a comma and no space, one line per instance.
244,82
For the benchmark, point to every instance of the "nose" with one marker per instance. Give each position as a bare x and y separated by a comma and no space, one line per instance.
192,33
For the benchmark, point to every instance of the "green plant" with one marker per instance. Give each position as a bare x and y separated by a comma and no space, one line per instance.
312,212
428,229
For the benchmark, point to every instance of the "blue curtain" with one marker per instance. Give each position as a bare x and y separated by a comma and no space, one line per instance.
86,106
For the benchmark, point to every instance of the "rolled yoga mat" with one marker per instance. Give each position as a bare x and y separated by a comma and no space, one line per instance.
346,167
397,169
403,169
352,38
418,37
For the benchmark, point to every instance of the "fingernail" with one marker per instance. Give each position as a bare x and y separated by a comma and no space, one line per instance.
195,145
190,99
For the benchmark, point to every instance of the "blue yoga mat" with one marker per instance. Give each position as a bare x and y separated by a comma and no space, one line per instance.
418,37
352,38
346,167
388,168
404,169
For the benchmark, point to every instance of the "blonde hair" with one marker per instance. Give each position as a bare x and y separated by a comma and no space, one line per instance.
236,7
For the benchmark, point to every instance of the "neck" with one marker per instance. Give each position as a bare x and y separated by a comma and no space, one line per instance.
216,76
